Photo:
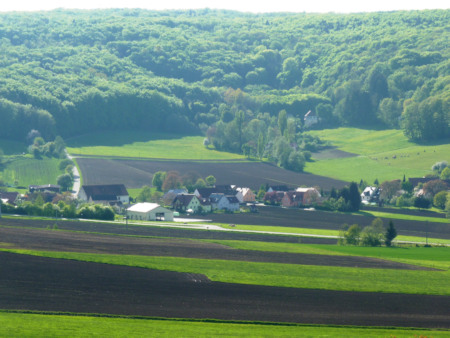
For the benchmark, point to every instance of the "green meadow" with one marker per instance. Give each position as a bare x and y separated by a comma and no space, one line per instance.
284,275
145,146
26,171
381,154
65,325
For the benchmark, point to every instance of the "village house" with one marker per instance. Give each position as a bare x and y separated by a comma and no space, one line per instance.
9,197
245,195
169,196
187,203
105,194
310,195
370,194
218,189
274,188
292,199
149,212
273,197
224,202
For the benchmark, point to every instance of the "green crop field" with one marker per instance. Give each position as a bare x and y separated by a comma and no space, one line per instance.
284,275
382,155
26,171
145,145
65,325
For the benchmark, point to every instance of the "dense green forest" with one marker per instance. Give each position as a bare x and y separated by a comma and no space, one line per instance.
222,72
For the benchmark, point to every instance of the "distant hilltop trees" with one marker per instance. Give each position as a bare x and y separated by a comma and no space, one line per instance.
72,72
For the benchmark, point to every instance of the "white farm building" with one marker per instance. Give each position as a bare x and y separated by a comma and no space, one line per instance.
149,212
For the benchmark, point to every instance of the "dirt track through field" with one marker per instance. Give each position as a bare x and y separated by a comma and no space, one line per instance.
48,240
45,284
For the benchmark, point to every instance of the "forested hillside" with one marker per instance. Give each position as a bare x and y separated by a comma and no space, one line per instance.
71,72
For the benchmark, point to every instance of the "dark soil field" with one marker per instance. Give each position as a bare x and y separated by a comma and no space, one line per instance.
132,230
49,240
45,284
276,216
137,173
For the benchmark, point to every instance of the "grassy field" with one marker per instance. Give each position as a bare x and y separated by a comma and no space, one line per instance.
25,171
326,232
51,325
284,275
382,155
145,145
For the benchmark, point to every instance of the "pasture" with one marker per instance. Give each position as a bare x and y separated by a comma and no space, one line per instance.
24,171
173,273
142,145
379,154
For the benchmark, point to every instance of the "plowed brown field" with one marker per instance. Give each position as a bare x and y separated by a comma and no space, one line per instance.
46,284
137,173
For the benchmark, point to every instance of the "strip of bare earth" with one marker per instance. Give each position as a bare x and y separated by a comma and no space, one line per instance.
46,284
92,243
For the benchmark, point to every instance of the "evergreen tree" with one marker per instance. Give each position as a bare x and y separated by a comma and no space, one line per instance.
354,196
390,234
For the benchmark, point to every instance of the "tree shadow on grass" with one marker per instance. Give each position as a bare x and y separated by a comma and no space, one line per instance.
114,138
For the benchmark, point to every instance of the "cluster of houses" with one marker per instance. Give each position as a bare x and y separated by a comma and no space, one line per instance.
292,198
220,197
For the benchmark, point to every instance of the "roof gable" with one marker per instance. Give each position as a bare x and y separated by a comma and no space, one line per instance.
104,191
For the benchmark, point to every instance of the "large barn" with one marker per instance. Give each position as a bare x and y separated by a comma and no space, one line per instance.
149,212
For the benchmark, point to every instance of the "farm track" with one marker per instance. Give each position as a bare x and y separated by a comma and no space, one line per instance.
46,284
45,240
137,173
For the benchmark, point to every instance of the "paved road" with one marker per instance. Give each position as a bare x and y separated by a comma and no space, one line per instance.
76,177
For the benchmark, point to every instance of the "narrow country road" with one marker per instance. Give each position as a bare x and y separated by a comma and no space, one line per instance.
76,177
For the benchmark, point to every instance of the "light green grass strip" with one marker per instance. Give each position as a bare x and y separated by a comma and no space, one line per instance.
407,217
46,325
326,232
276,274
146,145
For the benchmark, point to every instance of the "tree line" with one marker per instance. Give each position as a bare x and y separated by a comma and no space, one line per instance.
71,72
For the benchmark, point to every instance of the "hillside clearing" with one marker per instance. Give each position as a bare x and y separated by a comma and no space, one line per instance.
383,155
145,145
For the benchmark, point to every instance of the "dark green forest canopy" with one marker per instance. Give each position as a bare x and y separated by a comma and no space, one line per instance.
71,72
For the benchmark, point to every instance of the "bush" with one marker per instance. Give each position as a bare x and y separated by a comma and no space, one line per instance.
351,236
372,235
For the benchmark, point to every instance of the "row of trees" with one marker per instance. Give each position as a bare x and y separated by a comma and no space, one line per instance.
63,209
372,235
72,72
277,138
